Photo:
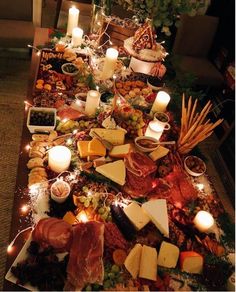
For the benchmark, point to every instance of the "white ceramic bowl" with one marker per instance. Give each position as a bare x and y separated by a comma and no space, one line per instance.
147,140
60,191
192,163
67,65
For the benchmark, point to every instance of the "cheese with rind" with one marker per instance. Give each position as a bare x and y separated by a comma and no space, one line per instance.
115,171
115,137
132,262
191,262
136,215
148,263
159,153
168,255
157,211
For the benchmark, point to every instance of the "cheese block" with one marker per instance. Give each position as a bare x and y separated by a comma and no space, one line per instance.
168,255
136,215
83,148
120,151
148,263
70,218
95,147
191,262
159,153
115,137
115,171
157,211
132,262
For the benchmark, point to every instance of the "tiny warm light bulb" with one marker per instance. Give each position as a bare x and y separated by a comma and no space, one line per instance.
24,209
75,132
69,141
64,120
10,248
200,186
82,217
27,147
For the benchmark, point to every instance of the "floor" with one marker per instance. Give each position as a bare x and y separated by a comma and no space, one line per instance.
14,71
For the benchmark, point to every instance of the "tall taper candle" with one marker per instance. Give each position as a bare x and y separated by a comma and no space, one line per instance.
73,19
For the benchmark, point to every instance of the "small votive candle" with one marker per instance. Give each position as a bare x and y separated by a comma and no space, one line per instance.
77,34
161,102
92,102
109,63
204,221
154,130
73,19
59,158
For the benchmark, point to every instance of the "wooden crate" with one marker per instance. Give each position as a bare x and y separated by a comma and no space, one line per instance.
117,33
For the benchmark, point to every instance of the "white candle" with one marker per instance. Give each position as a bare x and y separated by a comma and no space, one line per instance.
204,221
73,19
109,63
59,158
154,130
77,34
161,102
92,102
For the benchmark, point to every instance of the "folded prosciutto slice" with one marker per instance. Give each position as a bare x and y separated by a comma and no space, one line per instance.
137,186
85,262
53,232
139,164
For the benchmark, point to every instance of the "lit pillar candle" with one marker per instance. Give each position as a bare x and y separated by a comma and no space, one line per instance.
154,130
204,221
109,63
92,102
161,102
59,158
73,19
77,34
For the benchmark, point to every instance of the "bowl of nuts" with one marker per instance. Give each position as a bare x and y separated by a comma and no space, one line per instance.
194,165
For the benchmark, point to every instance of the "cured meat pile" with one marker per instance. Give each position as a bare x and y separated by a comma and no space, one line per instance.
85,261
53,232
139,175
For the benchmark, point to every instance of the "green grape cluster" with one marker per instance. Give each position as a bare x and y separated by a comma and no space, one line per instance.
95,202
112,276
67,126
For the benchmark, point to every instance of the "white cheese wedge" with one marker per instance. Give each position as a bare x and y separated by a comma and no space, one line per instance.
159,153
136,215
148,263
168,255
115,137
191,262
120,151
132,262
157,211
115,171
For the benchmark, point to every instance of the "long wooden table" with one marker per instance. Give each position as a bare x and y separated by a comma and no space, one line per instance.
18,220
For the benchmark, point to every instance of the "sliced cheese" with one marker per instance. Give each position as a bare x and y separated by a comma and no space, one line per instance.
159,153
115,171
157,211
136,215
191,262
120,151
83,148
148,263
95,147
132,262
168,255
116,137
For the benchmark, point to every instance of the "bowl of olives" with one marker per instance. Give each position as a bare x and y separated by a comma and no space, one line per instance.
69,69
194,165
41,119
